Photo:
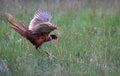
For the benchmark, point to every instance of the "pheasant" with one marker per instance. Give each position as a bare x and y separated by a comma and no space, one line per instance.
39,28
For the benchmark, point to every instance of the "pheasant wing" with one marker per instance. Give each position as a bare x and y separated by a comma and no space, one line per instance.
44,28
40,24
40,17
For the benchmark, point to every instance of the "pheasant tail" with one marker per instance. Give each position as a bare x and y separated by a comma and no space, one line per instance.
15,25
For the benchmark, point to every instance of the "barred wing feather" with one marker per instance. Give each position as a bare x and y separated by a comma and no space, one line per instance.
40,17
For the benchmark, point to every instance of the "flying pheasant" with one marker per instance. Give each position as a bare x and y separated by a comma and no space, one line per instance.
39,29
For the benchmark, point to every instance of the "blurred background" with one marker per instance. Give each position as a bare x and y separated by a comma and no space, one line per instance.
88,44
26,6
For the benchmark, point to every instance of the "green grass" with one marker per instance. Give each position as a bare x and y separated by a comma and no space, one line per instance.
88,45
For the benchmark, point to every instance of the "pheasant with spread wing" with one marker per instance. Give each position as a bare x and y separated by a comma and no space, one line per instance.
39,29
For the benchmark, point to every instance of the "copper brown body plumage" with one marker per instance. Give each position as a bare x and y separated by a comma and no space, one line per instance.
39,29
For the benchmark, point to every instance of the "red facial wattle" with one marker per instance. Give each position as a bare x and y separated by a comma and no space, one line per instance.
54,36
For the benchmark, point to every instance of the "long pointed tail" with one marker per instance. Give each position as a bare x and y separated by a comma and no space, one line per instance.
15,25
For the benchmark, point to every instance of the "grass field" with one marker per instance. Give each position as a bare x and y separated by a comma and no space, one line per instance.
88,45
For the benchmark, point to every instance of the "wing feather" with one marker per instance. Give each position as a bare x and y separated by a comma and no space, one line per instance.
40,17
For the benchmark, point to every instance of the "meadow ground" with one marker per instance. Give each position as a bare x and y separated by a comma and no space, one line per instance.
88,45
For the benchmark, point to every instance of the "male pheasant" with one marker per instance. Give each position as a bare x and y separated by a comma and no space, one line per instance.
39,29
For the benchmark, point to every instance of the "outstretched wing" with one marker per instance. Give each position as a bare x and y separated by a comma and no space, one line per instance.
44,28
40,17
